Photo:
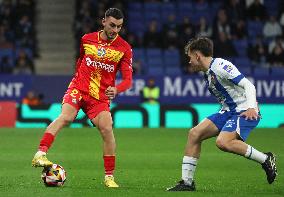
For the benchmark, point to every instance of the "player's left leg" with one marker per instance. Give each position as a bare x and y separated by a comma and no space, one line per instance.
232,137
103,121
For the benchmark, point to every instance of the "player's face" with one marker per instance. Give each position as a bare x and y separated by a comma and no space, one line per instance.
194,62
112,26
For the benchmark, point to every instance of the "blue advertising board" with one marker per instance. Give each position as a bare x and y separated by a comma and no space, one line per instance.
174,89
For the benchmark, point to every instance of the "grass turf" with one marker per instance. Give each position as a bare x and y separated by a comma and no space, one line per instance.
148,161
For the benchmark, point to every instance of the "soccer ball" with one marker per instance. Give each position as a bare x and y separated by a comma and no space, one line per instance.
53,176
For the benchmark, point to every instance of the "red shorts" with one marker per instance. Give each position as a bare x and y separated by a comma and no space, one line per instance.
91,106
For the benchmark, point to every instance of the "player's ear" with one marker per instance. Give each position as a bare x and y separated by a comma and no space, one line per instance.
197,55
103,21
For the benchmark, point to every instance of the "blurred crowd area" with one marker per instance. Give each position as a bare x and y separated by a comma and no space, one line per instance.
18,44
247,32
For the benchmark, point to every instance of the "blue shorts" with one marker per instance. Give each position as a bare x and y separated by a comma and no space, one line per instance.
231,121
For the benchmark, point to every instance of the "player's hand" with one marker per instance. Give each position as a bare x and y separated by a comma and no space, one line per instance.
111,92
250,114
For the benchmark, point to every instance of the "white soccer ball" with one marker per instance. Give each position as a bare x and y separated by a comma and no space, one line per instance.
54,175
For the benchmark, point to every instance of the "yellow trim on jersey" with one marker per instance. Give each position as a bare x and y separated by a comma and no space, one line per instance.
110,54
95,83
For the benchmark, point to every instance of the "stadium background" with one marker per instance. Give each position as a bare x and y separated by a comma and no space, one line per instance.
39,42
38,47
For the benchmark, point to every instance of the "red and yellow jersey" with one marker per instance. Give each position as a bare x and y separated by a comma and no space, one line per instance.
98,64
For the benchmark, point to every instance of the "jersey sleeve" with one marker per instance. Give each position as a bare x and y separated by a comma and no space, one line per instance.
230,72
126,71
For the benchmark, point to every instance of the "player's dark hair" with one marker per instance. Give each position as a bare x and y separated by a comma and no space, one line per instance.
202,44
115,13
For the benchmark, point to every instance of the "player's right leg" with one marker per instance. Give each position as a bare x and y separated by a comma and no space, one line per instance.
232,139
104,122
204,130
68,114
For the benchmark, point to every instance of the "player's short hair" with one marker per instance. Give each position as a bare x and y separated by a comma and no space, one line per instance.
202,44
115,13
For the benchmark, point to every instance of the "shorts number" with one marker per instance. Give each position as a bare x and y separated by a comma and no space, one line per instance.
74,93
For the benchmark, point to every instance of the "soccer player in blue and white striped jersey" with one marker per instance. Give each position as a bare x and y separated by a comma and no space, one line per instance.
238,116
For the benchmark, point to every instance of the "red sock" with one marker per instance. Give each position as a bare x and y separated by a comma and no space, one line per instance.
109,164
46,142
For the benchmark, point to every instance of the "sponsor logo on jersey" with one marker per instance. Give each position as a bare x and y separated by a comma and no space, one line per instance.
97,64
101,52
228,68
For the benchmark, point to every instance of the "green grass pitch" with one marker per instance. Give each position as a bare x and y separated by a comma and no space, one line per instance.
148,161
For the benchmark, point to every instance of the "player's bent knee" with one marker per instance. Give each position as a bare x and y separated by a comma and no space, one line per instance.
194,135
66,120
222,144
106,130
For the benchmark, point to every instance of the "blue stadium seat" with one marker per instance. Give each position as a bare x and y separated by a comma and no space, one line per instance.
136,27
153,52
171,53
185,7
254,28
246,71
7,53
261,72
171,57
277,71
149,16
169,62
242,62
152,7
135,6
155,62
174,70
201,7
135,16
241,47
271,7
153,70
168,7
138,53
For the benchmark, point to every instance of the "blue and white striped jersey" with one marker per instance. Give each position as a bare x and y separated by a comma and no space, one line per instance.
222,80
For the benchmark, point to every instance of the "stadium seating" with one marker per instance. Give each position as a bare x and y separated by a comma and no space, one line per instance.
254,28
261,72
241,47
277,71
171,58
13,39
155,70
245,71
141,13
242,62
174,70
8,53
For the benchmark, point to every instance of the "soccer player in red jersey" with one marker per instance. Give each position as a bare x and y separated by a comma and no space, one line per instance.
102,55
